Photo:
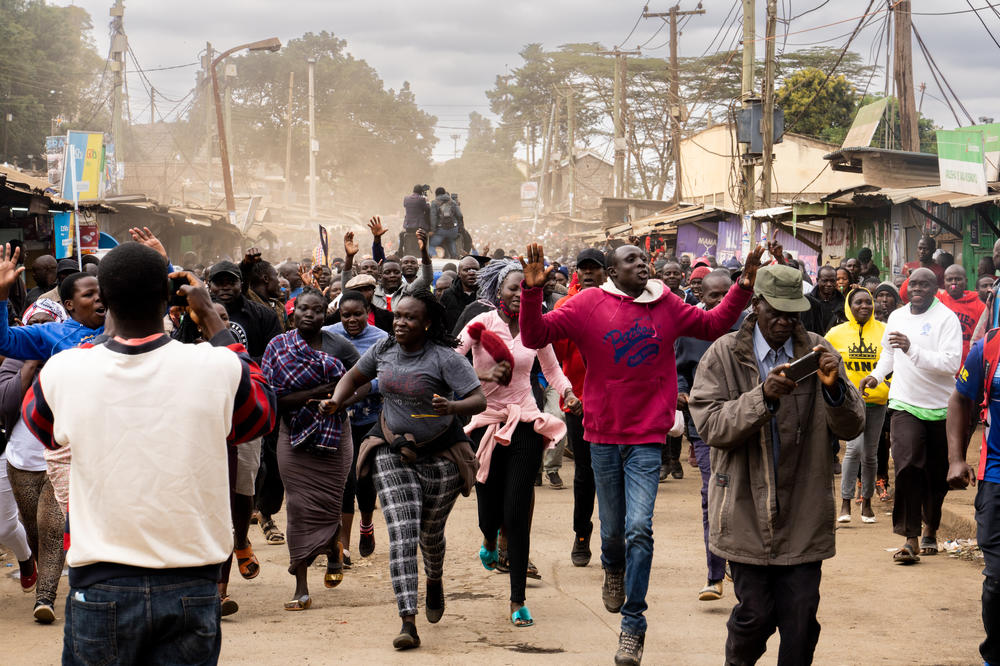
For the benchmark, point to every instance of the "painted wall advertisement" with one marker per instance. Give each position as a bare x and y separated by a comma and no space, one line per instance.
698,240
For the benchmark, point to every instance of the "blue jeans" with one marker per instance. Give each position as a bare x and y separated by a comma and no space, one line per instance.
440,238
716,565
160,619
627,478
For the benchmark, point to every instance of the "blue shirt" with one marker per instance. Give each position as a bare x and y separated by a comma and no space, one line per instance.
367,410
767,360
41,341
970,385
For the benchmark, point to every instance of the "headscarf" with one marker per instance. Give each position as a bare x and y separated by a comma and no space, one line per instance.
492,275
46,305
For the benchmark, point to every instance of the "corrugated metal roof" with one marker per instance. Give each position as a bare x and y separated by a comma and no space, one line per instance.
666,220
932,193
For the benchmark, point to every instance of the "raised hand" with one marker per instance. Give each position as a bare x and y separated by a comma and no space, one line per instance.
350,245
199,304
376,227
252,256
146,237
750,268
305,273
9,269
535,271
422,241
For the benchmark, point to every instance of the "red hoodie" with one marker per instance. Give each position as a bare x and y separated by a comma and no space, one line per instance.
628,347
968,308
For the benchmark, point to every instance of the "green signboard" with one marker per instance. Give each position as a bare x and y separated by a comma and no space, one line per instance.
961,160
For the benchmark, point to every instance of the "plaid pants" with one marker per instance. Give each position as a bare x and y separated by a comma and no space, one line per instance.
416,500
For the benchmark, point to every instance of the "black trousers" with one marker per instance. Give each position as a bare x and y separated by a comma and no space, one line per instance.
363,489
988,536
671,450
506,498
583,477
269,490
920,454
882,457
769,598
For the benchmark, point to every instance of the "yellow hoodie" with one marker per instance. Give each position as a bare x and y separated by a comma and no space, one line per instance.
861,347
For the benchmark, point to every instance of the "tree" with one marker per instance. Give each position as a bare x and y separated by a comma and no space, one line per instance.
484,176
50,69
371,138
817,107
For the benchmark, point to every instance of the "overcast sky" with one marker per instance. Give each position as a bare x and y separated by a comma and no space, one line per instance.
451,50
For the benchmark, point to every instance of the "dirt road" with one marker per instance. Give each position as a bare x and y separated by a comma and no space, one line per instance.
872,612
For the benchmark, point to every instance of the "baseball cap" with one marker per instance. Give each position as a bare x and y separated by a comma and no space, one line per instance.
591,254
701,261
700,272
781,287
361,281
224,268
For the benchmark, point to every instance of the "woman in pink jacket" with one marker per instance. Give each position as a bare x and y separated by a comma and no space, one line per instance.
512,433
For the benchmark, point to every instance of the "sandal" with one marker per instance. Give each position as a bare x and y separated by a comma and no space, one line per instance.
272,533
521,617
248,562
906,555
928,545
532,571
489,558
302,603
334,568
228,606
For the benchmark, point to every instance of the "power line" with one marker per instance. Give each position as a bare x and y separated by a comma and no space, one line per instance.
987,28
933,65
632,31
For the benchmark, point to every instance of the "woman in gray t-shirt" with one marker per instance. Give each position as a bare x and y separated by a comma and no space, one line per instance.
418,372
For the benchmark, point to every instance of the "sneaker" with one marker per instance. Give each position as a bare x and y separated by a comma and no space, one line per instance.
629,649
407,638
664,473
366,546
613,592
347,559
554,480
711,592
44,613
581,551
677,470
538,480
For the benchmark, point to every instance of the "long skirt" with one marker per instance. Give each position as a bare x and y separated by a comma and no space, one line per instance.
314,492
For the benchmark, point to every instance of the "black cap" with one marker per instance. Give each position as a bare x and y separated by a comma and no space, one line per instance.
591,254
67,266
224,268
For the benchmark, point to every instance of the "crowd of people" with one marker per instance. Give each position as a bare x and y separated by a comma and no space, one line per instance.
383,383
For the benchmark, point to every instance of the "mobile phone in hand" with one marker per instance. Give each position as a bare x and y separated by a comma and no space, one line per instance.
803,367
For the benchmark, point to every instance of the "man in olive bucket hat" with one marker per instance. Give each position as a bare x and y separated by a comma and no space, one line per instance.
771,504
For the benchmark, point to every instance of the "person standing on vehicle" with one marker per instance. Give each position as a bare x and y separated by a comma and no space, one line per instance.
446,216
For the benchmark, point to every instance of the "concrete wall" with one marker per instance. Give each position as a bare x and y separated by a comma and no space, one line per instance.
707,168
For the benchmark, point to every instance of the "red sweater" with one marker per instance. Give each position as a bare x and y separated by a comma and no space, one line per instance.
569,356
968,308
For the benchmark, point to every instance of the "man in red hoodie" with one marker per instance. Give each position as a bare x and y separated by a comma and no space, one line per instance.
590,272
625,332
965,304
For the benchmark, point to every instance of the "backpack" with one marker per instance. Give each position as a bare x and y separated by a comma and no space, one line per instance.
446,215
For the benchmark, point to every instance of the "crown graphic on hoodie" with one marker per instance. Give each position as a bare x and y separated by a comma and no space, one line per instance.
862,352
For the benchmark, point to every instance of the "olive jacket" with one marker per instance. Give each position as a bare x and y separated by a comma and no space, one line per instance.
757,516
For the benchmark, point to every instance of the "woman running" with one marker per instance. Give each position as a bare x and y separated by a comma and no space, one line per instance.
512,433
314,450
418,453
355,312
859,342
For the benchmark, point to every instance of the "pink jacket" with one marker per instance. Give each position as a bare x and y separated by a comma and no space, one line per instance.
506,406
630,388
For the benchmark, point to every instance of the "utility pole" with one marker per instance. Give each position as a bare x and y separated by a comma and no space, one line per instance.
540,200
571,148
210,120
767,119
676,110
152,105
288,140
454,140
230,76
119,44
749,7
618,116
909,136
312,137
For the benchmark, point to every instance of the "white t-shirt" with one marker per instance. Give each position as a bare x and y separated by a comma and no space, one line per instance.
24,451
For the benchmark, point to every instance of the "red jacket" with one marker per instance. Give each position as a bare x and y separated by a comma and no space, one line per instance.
968,309
567,353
